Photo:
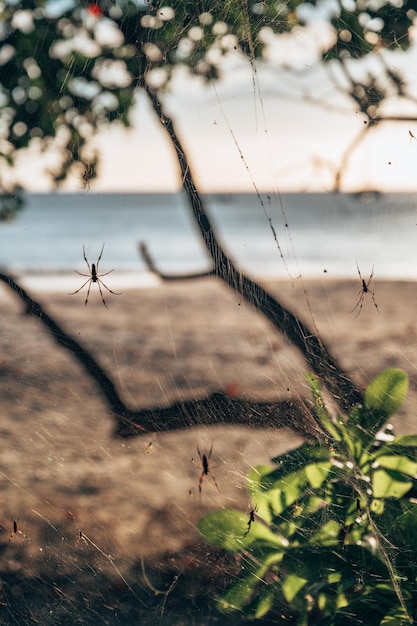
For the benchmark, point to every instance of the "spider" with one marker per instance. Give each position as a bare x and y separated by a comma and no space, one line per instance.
94,277
86,176
205,464
251,519
16,530
359,510
366,288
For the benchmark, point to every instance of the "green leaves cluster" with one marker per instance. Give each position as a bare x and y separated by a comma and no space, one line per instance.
366,26
333,541
75,66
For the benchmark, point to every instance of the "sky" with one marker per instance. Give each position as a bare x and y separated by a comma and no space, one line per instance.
253,133
238,138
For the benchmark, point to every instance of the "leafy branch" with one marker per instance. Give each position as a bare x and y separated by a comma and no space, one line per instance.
331,536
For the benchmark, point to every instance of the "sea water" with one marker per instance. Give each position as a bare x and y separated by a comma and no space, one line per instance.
266,235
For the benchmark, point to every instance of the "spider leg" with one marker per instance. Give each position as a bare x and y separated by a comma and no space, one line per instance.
373,299
105,273
88,292
83,285
370,290
105,286
214,480
85,259
358,301
99,258
101,293
81,274
200,482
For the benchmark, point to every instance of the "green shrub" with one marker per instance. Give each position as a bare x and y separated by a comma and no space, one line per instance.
332,535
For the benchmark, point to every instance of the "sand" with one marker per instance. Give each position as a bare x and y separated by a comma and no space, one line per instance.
62,471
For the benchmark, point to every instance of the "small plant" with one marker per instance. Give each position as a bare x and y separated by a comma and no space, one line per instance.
332,536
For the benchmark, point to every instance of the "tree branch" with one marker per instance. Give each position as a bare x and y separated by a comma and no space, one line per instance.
294,330
149,262
66,341
215,409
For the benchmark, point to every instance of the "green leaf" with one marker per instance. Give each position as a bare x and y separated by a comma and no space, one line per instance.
227,529
239,595
401,463
386,393
264,602
383,397
397,616
370,609
402,519
322,414
327,534
377,506
404,445
317,473
259,496
390,484
291,586
404,441
224,528
297,459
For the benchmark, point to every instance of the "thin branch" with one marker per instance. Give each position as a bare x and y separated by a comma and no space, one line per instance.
294,330
149,262
347,154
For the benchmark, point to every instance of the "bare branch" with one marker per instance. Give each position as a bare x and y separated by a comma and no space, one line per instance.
294,330
347,154
213,410
66,341
150,264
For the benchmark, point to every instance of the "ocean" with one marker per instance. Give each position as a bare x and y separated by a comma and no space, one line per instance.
268,236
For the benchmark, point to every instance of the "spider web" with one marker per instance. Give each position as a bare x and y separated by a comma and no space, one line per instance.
109,525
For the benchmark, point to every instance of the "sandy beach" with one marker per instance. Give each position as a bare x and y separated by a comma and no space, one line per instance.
93,507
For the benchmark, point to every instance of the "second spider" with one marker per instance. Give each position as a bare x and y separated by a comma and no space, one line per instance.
94,277
366,289
205,465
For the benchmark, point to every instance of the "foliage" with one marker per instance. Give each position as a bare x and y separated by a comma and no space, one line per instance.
10,205
366,26
68,68
333,538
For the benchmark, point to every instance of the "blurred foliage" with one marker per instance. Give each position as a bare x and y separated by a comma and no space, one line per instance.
369,25
69,68
10,204
330,539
